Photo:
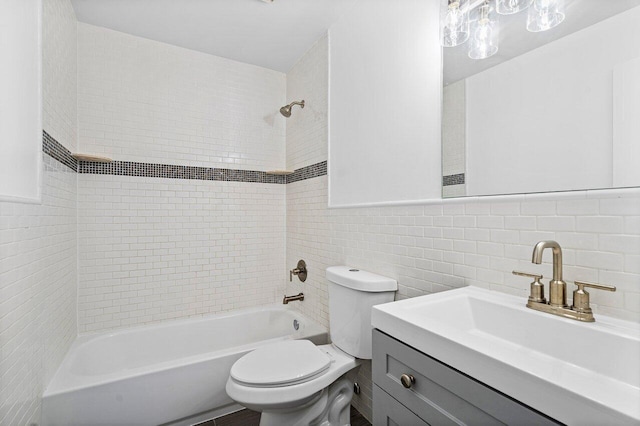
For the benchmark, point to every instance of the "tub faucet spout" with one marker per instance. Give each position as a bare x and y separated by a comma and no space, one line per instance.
287,299
557,287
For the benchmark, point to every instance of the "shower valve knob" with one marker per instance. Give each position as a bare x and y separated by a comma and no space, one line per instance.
300,271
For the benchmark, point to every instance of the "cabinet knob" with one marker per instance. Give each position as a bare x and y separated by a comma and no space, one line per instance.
407,380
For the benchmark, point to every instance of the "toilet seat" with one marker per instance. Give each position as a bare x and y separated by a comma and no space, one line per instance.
284,363
260,397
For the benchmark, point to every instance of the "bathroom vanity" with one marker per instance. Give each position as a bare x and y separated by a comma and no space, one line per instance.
474,356
411,387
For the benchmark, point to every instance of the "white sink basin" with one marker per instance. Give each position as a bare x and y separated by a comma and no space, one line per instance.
578,373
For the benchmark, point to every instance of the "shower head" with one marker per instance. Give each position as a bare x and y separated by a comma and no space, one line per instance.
286,110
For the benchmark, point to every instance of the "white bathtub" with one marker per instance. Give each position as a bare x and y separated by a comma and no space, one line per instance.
170,373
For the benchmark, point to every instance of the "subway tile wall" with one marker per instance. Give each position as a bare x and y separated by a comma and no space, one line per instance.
307,129
38,280
456,243
153,249
307,133
146,101
59,72
38,244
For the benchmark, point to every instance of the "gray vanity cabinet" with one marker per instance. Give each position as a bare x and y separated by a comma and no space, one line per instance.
439,394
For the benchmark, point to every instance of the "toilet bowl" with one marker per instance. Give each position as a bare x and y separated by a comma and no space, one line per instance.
297,383
291,383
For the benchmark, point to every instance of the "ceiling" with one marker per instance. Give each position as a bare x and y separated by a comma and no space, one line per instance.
275,35
515,39
271,35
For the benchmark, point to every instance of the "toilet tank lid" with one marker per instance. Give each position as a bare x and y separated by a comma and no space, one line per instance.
360,280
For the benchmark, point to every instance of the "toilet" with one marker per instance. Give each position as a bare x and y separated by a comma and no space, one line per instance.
294,382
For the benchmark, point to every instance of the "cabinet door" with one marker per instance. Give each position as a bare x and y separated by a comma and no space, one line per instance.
389,412
442,395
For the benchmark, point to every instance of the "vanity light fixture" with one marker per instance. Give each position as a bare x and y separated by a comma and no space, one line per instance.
484,33
509,7
455,23
545,14
456,20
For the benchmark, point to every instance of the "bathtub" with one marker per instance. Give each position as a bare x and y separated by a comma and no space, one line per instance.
172,373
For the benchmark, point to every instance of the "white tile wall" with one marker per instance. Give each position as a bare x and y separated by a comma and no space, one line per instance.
155,249
307,128
141,100
38,279
38,243
457,243
59,72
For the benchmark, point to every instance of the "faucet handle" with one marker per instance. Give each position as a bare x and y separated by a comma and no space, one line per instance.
582,284
537,277
581,296
536,294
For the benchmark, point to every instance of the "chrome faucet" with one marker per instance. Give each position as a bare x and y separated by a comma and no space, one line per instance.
557,287
580,310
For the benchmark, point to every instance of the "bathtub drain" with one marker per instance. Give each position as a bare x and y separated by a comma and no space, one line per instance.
296,324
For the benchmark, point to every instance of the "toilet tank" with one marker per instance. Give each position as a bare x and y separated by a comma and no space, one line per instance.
352,294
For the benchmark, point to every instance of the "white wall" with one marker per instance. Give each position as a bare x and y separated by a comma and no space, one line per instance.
385,102
543,121
154,249
626,126
21,100
146,101
38,247
454,243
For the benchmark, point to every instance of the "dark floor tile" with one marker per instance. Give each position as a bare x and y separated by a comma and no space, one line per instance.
244,417
252,418
358,419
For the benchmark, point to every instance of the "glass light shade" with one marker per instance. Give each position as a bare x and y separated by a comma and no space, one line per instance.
454,22
484,32
545,14
509,7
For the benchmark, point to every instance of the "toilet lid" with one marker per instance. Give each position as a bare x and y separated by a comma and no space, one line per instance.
281,364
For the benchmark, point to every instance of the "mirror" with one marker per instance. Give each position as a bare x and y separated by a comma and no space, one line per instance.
551,111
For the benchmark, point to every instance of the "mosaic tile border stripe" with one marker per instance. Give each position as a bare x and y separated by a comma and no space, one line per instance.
453,180
57,151
128,168
169,171
308,172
